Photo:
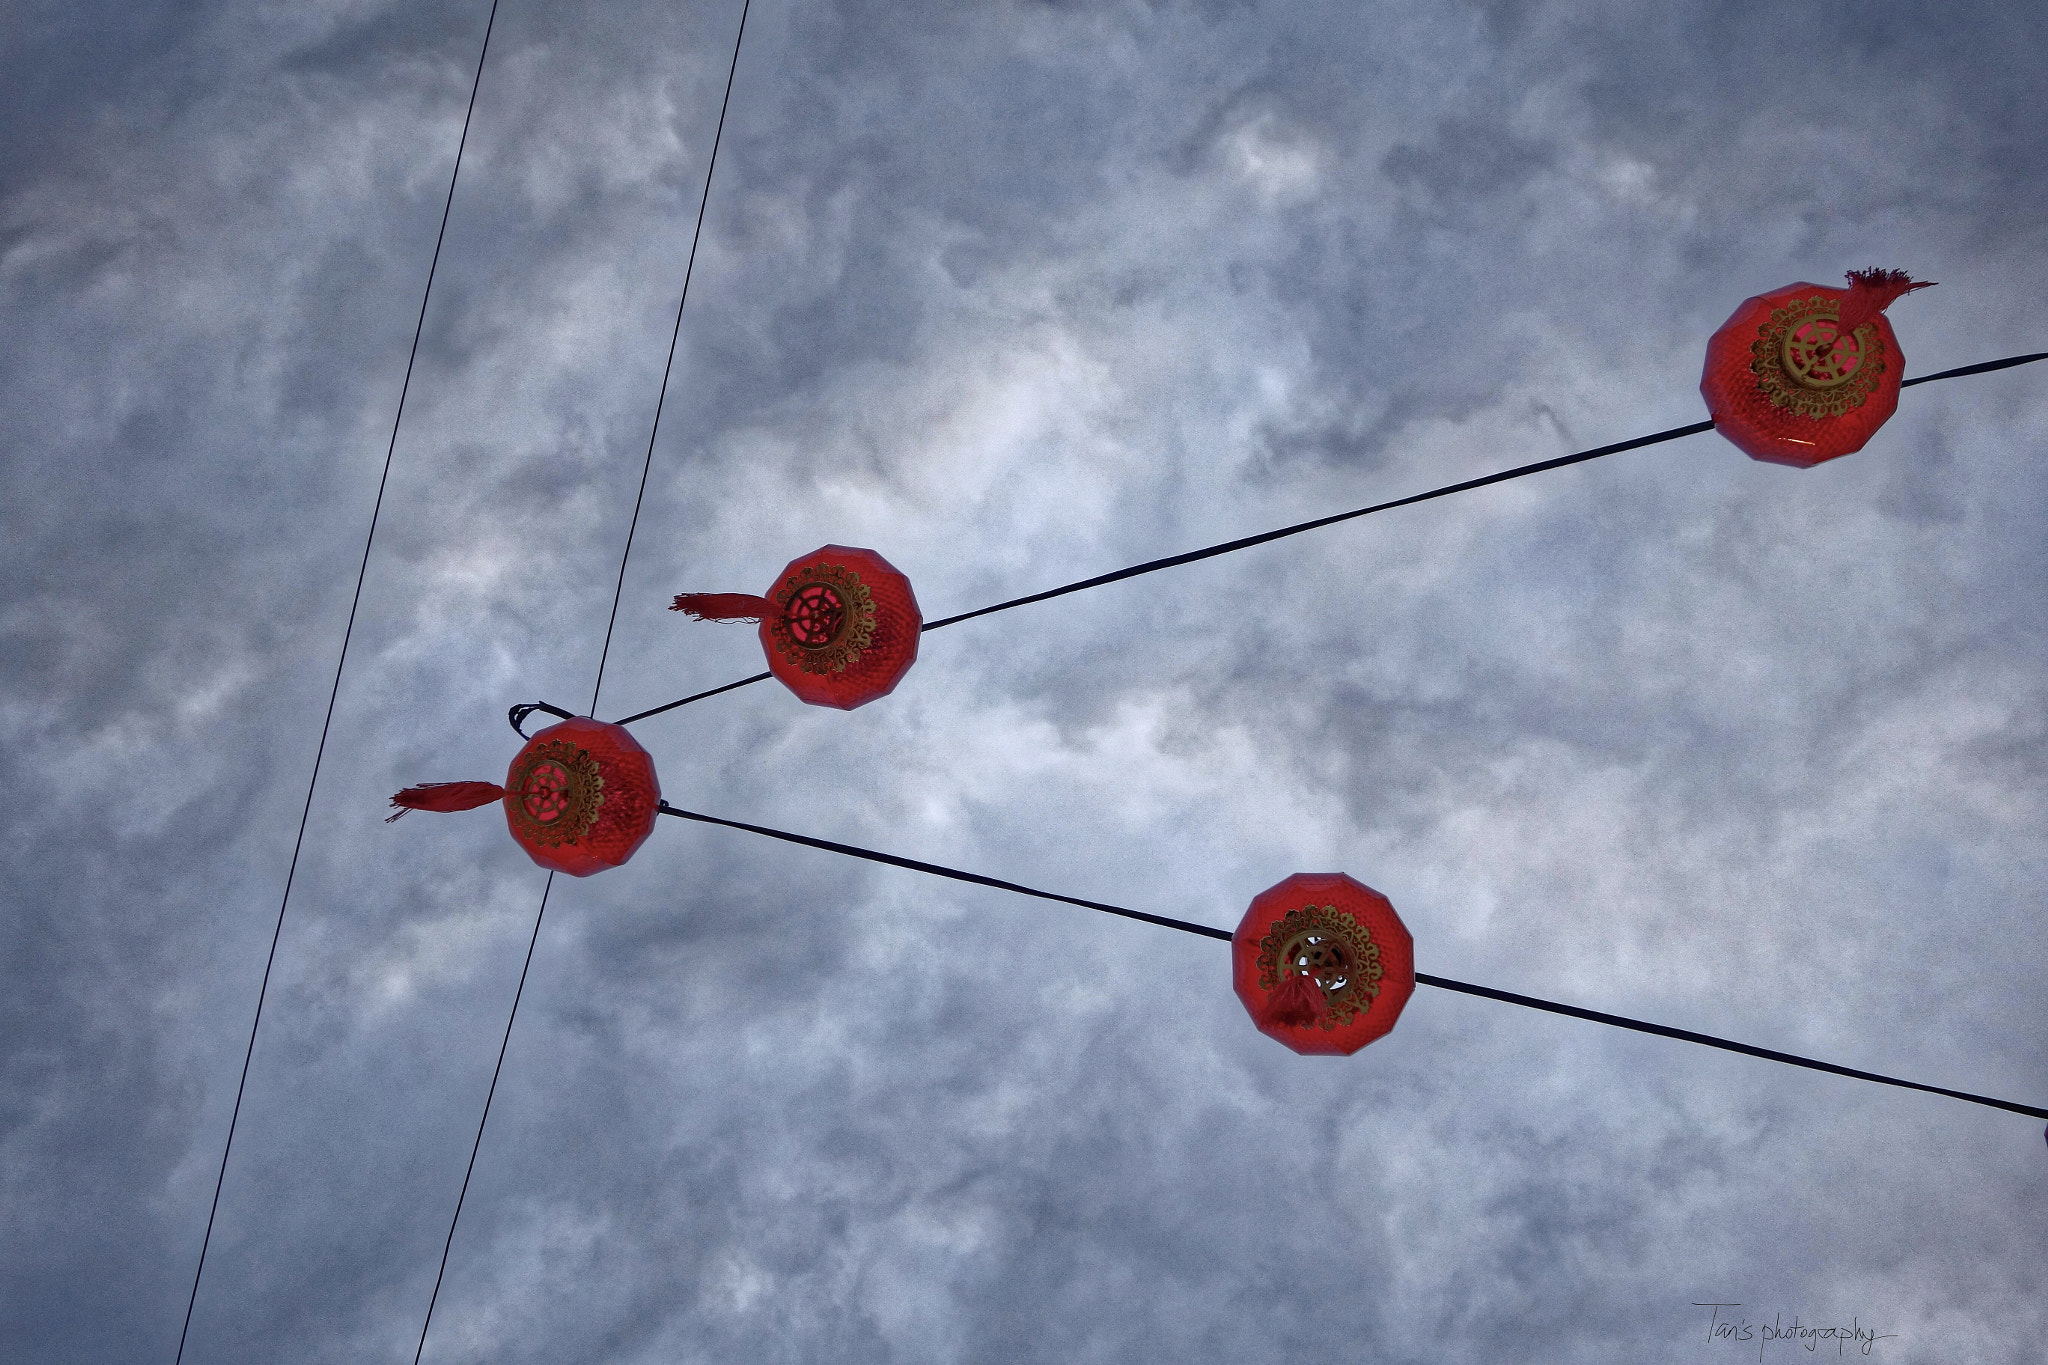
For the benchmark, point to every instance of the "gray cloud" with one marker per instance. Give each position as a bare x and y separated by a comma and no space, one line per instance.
1013,294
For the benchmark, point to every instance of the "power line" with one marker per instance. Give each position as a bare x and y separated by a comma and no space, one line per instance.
519,714
675,335
489,1095
935,870
1440,982
1708,1040
1246,542
1984,367
700,696
327,722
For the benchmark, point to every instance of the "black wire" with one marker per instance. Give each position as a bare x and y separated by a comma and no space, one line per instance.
1708,1040
935,870
674,336
743,682
478,1144
348,633
519,713
1442,983
1153,566
1985,368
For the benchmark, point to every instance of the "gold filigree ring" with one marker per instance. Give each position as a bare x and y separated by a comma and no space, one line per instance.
1797,369
825,617
558,790
1814,354
1331,948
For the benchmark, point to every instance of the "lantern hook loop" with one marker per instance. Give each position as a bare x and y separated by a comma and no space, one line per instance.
518,714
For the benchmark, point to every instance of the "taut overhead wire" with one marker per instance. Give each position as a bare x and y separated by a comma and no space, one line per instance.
1247,542
327,723
1440,982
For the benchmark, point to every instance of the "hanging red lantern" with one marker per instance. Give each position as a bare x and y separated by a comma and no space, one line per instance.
1322,963
1805,373
840,627
580,797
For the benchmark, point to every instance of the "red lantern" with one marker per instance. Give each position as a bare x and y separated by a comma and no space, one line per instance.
1805,373
1322,963
840,626
580,797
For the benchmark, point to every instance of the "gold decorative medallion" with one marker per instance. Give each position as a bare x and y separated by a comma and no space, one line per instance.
825,618
1330,947
557,790
1799,368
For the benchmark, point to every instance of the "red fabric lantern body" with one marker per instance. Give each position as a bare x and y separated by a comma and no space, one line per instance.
1783,387
581,797
1344,938
842,627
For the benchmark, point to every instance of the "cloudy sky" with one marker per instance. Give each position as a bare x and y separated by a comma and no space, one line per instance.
1016,293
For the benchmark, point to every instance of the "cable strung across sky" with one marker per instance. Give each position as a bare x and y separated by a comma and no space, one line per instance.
874,608
879,601
334,691
1323,963
1701,741
1441,983
1247,542
580,864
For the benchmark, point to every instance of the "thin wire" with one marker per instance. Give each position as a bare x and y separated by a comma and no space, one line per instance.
1984,368
718,135
478,1144
743,682
1153,566
655,430
935,870
1442,983
348,633
1227,547
1708,1040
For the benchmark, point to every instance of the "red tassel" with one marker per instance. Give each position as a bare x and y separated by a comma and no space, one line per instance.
1870,293
1296,1002
446,796
723,606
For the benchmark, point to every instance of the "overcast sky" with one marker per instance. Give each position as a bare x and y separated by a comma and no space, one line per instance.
1013,294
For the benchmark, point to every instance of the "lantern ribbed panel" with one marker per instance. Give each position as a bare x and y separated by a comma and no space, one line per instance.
1740,402
625,817
1344,915
881,662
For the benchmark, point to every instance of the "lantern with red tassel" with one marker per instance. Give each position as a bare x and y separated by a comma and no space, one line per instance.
1322,963
840,626
1805,373
580,797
